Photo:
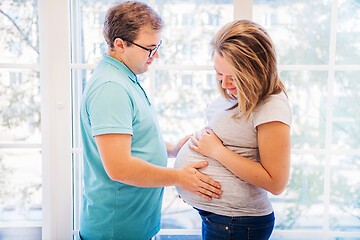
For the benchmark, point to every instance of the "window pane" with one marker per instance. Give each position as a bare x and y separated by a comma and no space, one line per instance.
20,186
345,194
77,180
346,113
91,43
300,29
20,169
348,32
189,27
181,98
79,77
20,106
300,207
307,92
19,42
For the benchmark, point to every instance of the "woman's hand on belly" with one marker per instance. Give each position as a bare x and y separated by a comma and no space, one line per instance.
206,143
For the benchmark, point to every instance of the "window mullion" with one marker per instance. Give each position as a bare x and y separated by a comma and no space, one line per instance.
35,67
329,117
56,118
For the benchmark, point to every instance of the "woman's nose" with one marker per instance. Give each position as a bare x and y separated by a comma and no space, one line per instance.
226,82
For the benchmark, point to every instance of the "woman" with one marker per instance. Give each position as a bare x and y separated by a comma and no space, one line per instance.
247,142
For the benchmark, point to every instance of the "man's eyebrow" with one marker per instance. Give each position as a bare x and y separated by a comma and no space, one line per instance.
151,45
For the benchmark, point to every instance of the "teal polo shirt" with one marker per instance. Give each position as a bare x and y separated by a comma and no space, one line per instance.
114,102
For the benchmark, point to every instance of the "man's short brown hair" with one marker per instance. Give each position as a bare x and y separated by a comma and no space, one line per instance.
124,21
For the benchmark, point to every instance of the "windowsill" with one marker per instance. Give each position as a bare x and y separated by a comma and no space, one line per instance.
20,233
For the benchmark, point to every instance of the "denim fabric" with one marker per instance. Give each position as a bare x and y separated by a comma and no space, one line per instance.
218,227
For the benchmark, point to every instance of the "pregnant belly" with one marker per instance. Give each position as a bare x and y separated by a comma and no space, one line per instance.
236,192
186,155
214,170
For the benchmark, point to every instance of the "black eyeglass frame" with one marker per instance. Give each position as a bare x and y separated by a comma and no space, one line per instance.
151,51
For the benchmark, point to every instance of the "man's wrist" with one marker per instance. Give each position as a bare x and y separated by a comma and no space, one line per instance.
175,177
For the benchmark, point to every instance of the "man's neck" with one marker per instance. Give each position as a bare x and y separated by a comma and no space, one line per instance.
115,55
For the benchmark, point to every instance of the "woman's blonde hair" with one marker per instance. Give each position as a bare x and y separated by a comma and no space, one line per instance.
250,53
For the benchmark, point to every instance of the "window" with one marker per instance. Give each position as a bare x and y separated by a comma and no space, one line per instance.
40,148
20,131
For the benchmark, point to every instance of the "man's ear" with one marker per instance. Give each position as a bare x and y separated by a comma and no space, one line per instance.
119,45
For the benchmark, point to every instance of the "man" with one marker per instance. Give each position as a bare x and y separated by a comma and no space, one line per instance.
124,153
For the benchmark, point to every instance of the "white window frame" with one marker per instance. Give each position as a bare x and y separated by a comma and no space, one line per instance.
55,76
55,83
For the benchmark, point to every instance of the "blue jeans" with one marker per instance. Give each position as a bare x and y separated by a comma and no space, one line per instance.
218,227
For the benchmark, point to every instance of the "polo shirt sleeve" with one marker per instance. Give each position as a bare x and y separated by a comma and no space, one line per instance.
110,110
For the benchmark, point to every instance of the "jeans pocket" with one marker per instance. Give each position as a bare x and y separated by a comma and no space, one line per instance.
213,221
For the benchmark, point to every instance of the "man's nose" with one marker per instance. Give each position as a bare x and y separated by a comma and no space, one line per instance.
156,54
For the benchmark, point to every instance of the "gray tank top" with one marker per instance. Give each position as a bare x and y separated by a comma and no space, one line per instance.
239,198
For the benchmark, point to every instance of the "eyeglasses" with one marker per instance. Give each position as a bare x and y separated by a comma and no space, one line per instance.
151,51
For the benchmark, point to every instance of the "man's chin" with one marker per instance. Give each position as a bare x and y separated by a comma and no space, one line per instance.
143,70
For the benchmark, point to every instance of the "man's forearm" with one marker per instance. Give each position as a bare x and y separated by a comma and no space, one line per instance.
139,173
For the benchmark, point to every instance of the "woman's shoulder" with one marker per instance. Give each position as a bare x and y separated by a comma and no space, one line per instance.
274,108
274,100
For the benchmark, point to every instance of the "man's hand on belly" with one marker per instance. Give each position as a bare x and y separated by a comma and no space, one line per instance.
192,180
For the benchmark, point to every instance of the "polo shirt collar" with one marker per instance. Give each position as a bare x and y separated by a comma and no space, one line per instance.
122,67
